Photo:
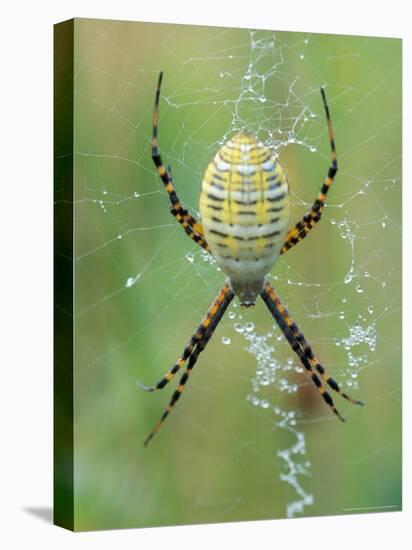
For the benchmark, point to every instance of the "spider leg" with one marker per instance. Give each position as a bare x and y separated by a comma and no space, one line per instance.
300,346
195,339
205,330
189,223
192,228
311,218
197,336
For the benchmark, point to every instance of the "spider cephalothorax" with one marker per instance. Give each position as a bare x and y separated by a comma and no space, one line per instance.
244,206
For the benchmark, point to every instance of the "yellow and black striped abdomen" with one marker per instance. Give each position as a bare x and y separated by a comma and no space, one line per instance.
244,206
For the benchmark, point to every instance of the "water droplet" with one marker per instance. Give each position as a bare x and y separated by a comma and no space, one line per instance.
383,225
348,278
262,99
312,148
189,257
370,309
136,195
132,280
231,314
264,404
249,326
120,236
226,340
301,56
255,400
342,315
264,381
359,289
239,328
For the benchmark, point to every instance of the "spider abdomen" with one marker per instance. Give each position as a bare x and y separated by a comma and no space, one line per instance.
244,206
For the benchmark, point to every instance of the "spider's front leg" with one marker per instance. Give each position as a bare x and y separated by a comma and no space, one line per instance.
297,341
192,351
299,231
192,227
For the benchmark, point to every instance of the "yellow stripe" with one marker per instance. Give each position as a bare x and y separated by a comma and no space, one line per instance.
245,178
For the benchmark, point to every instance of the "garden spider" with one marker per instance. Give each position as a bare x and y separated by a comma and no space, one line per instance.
244,206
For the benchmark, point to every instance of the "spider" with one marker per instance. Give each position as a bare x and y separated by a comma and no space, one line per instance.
244,208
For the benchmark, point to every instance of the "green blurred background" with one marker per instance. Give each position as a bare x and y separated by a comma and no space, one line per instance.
142,286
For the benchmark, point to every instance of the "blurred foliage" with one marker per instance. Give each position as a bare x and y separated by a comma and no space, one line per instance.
216,459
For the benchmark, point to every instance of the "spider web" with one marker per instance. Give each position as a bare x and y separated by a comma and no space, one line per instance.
143,287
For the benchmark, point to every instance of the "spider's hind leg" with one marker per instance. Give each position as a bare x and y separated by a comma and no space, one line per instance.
312,217
191,226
